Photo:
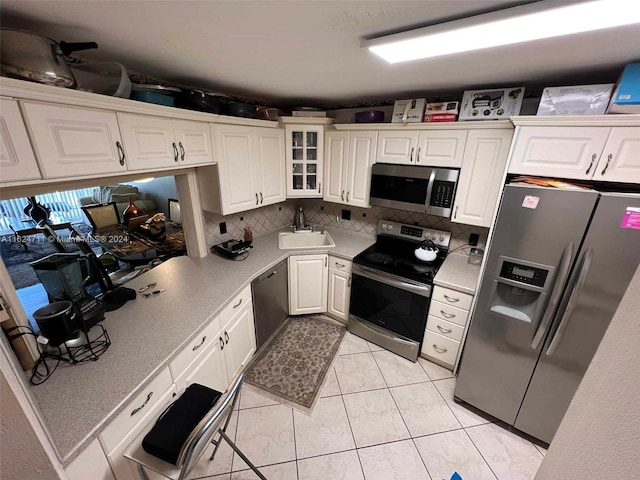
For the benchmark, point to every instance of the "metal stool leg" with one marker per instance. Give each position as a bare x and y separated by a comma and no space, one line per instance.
242,455
142,472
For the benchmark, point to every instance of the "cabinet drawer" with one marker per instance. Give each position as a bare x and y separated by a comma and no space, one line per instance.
447,329
340,264
451,297
135,410
440,347
448,312
199,344
242,299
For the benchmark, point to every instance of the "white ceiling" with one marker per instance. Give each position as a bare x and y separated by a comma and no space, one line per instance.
308,52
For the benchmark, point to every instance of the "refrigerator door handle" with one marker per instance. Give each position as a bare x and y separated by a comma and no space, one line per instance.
563,273
573,300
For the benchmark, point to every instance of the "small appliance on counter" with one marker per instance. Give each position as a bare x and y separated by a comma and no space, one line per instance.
232,249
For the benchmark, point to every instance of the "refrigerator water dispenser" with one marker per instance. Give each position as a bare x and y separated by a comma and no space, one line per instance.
520,289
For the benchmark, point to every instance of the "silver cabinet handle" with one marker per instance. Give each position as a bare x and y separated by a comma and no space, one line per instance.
257,199
175,152
587,259
200,344
221,343
121,151
593,159
342,196
320,187
340,265
444,330
226,337
411,155
609,157
237,304
439,349
261,199
136,410
418,155
182,152
451,299
447,315
455,212
325,261
347,196
349,282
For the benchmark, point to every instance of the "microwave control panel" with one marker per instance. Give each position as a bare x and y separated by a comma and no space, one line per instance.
442,194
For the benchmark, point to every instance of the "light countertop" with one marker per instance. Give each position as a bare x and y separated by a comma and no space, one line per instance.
457,274
78,401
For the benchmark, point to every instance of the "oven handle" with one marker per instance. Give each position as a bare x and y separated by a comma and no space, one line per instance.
422,290
427,202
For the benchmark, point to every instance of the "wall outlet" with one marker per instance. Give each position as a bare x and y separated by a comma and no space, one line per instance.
223,228
473,239
346,214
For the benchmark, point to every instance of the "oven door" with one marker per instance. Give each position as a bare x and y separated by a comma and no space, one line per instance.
394,304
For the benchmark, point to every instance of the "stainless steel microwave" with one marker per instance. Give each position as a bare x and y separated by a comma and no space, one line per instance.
417,189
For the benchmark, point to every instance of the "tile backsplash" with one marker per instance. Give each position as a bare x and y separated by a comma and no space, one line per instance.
363,220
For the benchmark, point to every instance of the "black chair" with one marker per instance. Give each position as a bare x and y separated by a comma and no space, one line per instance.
211,429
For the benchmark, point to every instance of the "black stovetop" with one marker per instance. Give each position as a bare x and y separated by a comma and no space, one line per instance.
395,256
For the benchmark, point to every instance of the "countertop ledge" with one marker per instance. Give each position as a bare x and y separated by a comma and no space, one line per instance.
79,401
457,274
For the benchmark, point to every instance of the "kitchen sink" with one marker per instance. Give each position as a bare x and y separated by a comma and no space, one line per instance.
300,240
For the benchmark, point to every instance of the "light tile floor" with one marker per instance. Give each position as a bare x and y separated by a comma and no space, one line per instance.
379,417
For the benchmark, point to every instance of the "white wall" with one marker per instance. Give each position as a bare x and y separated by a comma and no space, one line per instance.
599,437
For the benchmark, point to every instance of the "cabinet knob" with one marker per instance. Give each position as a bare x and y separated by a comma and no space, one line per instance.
609,157
121,152
175,152
593,159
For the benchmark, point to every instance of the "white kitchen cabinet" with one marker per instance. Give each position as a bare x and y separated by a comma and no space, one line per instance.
249,171
91,463
304,153
17,161
481,176
397,146
308,283
74,141
620,159
269,165
238,339
209,369
446,322
348,159
158,142
440,148
339,286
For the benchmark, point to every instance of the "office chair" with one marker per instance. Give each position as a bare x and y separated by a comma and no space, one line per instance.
211,429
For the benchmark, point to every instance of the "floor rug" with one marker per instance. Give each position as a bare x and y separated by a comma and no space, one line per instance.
293,366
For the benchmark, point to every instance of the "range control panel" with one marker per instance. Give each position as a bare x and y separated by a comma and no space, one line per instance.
414,232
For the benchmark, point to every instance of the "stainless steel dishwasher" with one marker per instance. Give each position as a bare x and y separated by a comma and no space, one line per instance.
270,301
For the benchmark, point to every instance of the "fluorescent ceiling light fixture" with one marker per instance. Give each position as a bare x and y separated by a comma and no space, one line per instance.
505,27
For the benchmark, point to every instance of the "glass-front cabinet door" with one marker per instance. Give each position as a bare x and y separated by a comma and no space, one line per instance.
304,160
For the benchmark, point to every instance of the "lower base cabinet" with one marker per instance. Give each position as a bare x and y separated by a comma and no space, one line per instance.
239,339
308,283
91,463
339,288
448,316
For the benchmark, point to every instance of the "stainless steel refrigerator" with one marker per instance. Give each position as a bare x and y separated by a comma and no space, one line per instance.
558,266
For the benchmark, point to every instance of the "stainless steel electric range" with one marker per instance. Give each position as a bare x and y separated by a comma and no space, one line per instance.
391,288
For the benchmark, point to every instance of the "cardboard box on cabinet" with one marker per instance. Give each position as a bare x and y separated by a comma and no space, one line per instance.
626,98
491,104
575,100
408,111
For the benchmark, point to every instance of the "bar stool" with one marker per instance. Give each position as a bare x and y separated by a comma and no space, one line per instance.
212,428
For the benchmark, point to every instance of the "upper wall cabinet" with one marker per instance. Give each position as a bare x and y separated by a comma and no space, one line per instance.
157,142
481,176
440,148
304,154
250,170
606,152
73,141
17,162
348,160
